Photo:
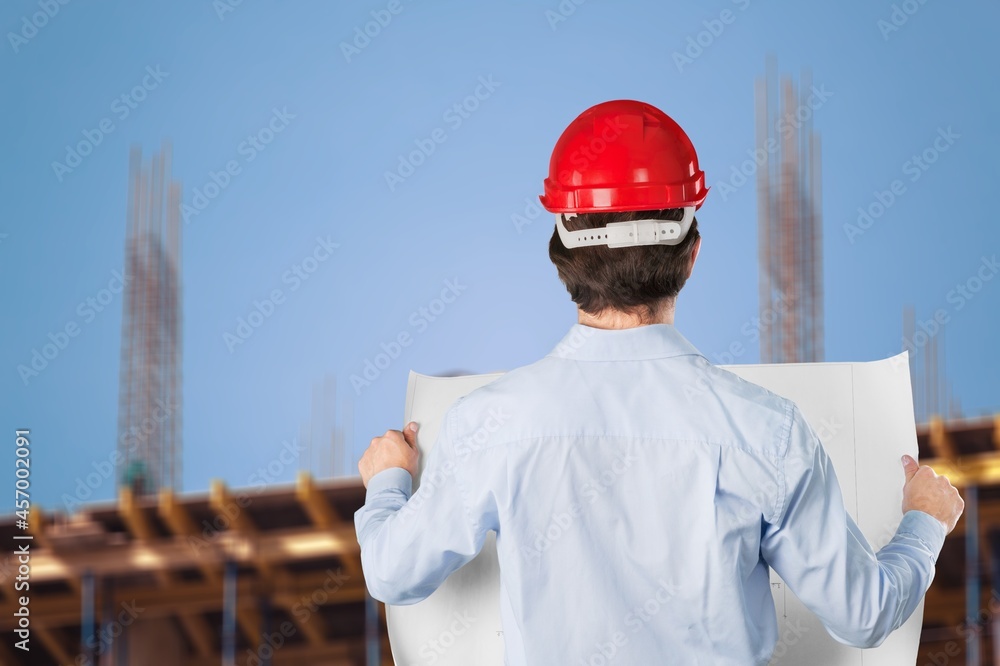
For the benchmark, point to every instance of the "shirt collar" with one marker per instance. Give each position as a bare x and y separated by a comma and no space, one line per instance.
586,343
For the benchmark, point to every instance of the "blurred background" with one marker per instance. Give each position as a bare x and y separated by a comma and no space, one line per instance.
230,229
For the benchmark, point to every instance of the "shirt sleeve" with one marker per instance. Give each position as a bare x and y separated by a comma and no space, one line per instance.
818,550
410,545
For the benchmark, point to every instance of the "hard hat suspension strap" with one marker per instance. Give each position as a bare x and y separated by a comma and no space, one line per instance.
627,234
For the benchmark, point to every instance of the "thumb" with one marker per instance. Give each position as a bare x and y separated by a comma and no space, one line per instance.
410,434
910,466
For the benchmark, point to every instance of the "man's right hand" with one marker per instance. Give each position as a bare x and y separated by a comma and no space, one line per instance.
926,491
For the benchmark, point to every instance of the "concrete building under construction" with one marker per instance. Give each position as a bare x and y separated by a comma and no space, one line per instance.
789,219
150,400
252,576
244,576
256,576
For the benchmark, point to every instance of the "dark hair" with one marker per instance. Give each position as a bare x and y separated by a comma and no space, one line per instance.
634,280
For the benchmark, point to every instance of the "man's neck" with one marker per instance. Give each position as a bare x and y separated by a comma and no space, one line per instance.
614,319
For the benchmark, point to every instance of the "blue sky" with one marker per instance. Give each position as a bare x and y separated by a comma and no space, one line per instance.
217,73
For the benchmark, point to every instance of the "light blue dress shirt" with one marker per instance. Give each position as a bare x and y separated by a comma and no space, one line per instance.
639,495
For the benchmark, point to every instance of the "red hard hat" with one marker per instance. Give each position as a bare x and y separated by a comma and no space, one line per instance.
623,155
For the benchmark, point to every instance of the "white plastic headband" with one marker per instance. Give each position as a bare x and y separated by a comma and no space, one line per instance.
624,234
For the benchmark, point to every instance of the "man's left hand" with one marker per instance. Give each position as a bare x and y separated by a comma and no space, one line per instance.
393,449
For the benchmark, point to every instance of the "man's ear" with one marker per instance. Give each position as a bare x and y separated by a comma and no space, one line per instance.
694,255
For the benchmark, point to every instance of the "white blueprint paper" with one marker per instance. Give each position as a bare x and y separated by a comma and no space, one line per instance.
863,413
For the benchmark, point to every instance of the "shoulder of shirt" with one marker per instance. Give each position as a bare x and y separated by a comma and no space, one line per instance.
776,409
491,408
510,384
515,396
766,398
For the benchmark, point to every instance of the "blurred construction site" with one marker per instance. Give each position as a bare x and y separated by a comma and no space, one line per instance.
271,574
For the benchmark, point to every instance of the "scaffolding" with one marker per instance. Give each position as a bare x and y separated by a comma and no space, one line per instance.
149,398
932,391
790,238
329,435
